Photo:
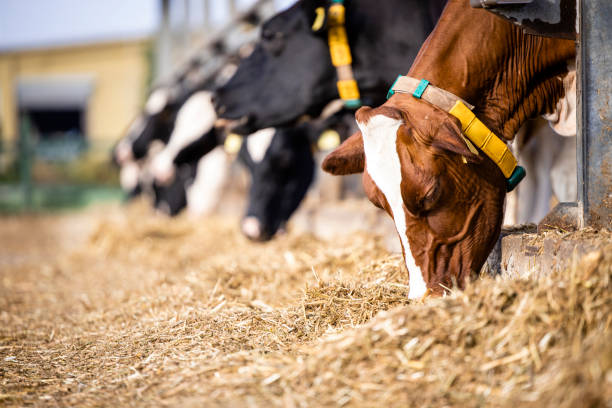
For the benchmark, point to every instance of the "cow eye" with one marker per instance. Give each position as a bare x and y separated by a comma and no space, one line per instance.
420,206
270,35
430,198
274,42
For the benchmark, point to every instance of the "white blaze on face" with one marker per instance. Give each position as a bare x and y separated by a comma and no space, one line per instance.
258,143
157,101
195,118
205,192
383,166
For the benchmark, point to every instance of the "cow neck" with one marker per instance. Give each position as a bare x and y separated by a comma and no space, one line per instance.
509,76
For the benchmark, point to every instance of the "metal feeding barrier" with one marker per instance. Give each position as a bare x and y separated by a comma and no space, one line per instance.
587,22
212,49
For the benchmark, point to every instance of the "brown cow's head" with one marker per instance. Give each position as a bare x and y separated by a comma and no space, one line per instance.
447,203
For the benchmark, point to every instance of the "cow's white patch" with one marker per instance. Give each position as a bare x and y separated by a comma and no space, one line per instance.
563,119
157,101
195,118
128,176
205,192
251,227
258,143
162,168
383,165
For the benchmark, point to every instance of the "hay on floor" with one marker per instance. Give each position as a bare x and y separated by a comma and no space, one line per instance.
149,311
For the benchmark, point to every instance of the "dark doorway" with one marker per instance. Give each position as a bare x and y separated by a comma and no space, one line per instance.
52,123
59,133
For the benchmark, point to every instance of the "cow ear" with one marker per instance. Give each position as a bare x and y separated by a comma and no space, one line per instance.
348,158
449,138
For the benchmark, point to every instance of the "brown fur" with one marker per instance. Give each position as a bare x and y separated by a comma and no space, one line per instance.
454,210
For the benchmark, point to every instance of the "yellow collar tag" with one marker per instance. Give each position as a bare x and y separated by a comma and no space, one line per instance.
341,57
232,144
328,140
474,130
485,139
319,19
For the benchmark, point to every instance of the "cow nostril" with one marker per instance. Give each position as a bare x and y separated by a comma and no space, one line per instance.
251,227
214,99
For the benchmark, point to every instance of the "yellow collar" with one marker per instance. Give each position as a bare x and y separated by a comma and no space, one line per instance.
340,52
474,130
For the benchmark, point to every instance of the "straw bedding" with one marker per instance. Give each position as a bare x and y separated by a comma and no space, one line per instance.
147,311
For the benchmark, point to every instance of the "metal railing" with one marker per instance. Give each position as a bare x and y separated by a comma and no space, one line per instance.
67,171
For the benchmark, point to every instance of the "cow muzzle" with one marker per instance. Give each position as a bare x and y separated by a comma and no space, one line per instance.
163,170
123,153
253,229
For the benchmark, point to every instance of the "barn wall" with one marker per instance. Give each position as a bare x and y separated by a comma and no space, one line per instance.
119,73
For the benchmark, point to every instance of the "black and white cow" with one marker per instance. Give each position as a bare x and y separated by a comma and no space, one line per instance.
156,123
135,178
133,154
282,167
194,120
157,119
290,74
171,198
279,160
129,179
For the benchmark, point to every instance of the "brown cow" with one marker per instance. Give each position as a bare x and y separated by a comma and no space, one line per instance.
446,197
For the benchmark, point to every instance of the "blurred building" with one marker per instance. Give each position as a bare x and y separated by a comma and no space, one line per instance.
74,67
84,67
90,89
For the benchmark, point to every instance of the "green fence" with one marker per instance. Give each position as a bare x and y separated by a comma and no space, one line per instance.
65,171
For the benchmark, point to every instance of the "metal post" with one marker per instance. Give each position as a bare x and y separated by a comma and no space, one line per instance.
25,160
233,10
207,23
164,43
186,28
594,149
